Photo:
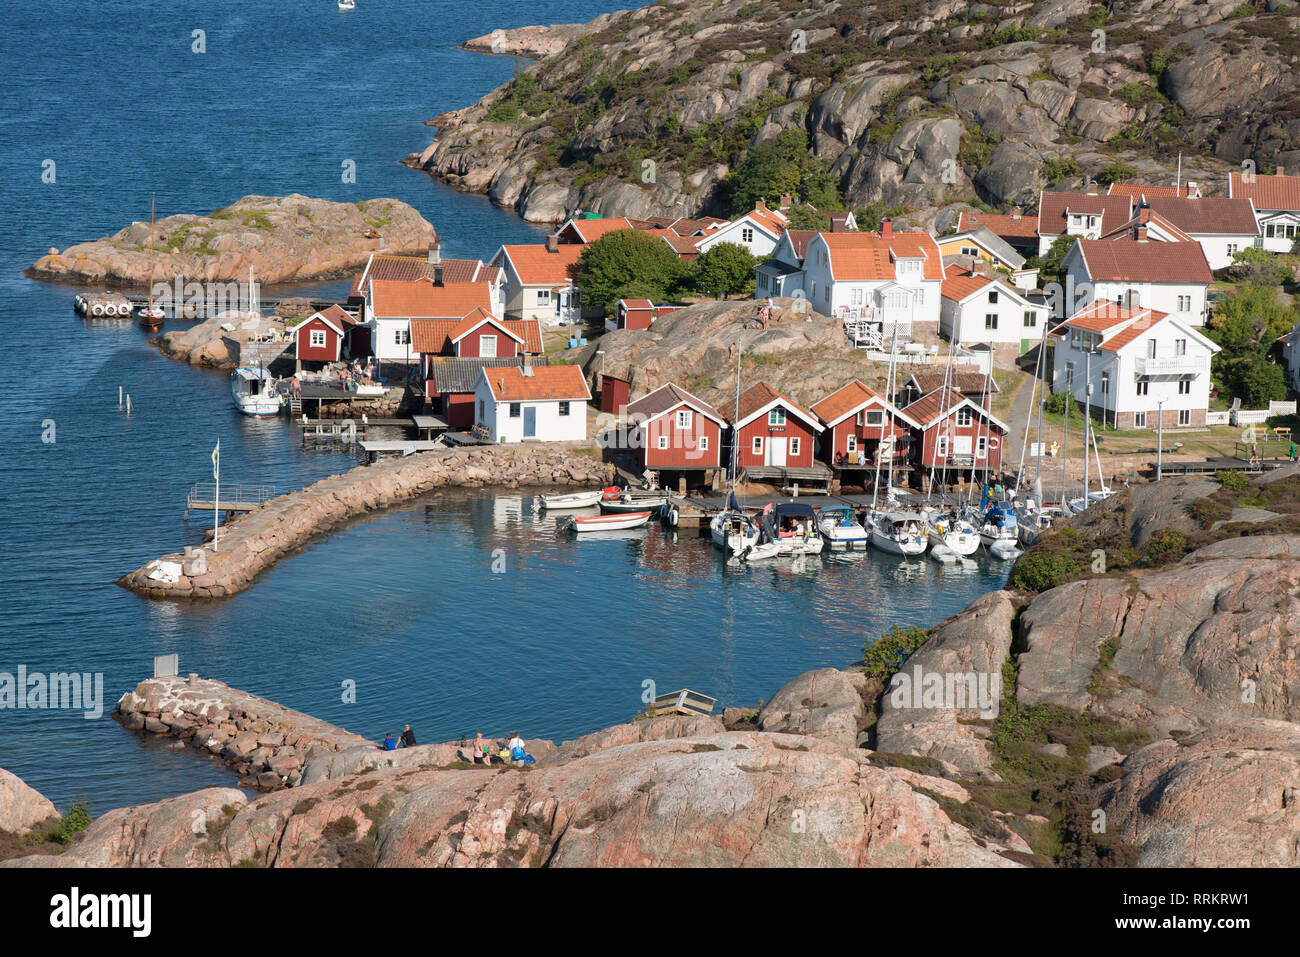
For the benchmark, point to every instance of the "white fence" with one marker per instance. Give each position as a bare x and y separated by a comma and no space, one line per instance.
1217,418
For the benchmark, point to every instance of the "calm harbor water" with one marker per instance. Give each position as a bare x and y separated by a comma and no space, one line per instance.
404,603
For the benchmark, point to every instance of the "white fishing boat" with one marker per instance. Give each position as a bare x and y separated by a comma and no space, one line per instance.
792,526
601,523
953,533
896,533
254,392
558,503
840,529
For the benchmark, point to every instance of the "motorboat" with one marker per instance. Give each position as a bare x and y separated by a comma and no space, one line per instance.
347,4
254,392
1006,549
793,527
999,525
953,533
559,503
634,503
840,529
601,523
897,533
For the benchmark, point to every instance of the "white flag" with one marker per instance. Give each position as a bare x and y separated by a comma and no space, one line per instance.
216,461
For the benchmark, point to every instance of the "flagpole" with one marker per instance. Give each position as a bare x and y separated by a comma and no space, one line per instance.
216,498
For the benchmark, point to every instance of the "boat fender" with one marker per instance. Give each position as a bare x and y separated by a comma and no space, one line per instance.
673,516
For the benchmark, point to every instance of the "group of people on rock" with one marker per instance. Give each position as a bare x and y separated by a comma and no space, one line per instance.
479,751
407,740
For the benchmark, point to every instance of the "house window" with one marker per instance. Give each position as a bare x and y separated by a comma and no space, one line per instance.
851,443
564,408
1180,347
982,447
402,337
963,418
794,445
318,338
875,417
1031,319
776,417
1139,420
702,443
1144,387
943,446
1232,248
514,410
746,235
1105,383
855,297
1184,416
826,293
991,320
663,442
482,409
683,418
1151,348
757,447
487,347
543,297
970,251
1184,303
1069,376
993,297
1184,386
813,289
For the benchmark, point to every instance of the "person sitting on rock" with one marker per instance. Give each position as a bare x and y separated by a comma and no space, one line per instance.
516,746
408,738
389,743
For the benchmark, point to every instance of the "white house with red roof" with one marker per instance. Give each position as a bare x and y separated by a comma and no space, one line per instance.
888,279
524,402
758,231
782,274
1172,277
541,280
392,304
979,308
1276,199
1141,361
583,230
1087,215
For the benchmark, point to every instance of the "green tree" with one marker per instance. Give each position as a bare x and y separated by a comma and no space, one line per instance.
724,269
1245,326
627,259
804,216
1260,382
783,165
1049,265
1258,266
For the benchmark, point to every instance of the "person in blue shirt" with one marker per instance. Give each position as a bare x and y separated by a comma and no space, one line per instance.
389,743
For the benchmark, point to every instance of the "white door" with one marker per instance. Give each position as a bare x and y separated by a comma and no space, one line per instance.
961,445
776,451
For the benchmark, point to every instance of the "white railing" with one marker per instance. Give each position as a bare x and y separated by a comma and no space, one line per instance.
1217,418
1170,365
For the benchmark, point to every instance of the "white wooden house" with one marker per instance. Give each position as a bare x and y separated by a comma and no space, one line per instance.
1171,277
1276,199
532,403
978,308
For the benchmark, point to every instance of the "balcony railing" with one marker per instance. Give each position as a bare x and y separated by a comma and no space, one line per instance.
1170,365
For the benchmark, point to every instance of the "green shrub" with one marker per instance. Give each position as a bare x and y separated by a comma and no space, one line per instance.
1232,481
1039,571
886,655
73,823
1054,170
1166,545
1207,511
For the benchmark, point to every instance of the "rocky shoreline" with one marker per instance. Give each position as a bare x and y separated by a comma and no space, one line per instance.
256,540
282,239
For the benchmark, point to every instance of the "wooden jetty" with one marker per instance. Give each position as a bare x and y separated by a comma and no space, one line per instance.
203,497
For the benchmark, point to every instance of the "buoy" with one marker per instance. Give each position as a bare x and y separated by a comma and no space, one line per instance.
97,309
673,516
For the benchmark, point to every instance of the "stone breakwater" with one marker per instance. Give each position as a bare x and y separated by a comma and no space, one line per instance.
255,541
266,743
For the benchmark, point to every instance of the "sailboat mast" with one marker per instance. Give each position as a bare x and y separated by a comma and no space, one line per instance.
735,417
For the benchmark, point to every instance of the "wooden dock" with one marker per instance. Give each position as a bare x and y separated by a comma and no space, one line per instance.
202,497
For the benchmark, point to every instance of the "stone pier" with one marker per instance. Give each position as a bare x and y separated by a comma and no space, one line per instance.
266,743
256,540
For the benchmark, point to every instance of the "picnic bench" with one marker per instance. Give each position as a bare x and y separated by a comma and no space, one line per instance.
683,701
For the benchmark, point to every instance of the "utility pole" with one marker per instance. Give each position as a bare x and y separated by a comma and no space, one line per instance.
1160,438
1087,417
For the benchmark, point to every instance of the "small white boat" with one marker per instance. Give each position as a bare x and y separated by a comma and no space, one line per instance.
733,531
942,553
792,527
758,551
559,503
347,4
896,533
1030,523
1077,505
952,532
254,392
633,503
840,529
600,523
1005,549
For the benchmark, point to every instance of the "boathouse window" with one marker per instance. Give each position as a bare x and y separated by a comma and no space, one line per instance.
487,347
875,417
794,446
776,417
564,408
851,444
514,410
543,297
1184,416
757,447
963,418
683,419
943,446
318,338
663,442
982,447
703,443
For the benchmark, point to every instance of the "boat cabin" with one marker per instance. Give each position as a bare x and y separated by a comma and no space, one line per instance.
673,431
772,430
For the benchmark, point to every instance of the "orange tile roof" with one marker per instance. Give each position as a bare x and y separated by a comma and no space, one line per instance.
536,266
408,268
1000,224
863,255
422,298
1138,189
1140,325
1105,315
942,403
476,319
965,379
1152,261
1148,217
437,336
1208,214
1053,208
959,283
432,336
684,246
1268,192
847,399
756,396
771,220
547,383
592,229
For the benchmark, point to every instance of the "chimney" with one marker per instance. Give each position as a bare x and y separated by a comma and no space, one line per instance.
837,224
552,244
760,205
525,364
435,253
886,228
787,200
1281,170
1140,233
437,274
1015,212
1131,299
1193,191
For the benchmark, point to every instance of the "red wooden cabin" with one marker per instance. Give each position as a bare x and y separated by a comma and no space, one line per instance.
673,430
857,420
772,430
957,436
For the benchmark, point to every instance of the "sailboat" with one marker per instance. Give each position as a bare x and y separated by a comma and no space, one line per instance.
151,316
894,532
731,529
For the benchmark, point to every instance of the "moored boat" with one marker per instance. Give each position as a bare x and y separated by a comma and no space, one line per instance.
840,529
732,530
557,503
999,525
254,393
896,533
634,503
953,533
597,523
792,526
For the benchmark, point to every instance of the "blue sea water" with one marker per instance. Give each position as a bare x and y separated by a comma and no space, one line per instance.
406,602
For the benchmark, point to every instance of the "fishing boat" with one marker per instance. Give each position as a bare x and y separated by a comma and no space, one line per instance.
840,529
792,526
951,532
999,526
558,503
254,392
896,533
151,315
602,523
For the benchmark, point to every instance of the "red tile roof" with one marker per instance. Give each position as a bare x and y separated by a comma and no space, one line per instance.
1267,192
863,255
1151,261
1208,214
1000,224
799,240
339,316
476,319
547,383
408,268
959,283
536,266
771,220
1054,207
668,397
437,336
636,303
1148,217
753,399
1105,315
1138,189
592,229
967,380
848,399
941,403
422,298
